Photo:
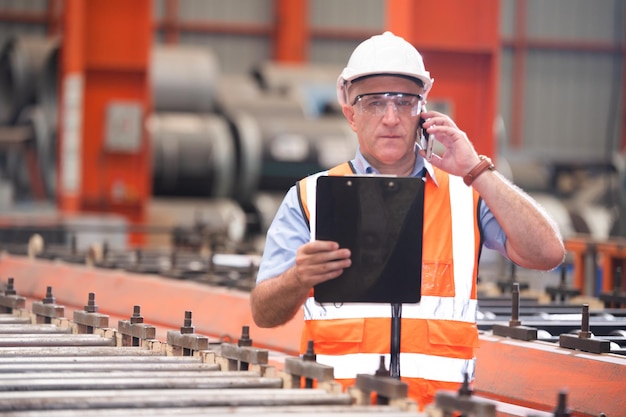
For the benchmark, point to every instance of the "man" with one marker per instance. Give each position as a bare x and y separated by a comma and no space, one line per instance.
382,92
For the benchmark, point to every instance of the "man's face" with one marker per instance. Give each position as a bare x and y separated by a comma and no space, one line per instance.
386,136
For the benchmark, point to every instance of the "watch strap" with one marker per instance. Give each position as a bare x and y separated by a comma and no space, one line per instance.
484,165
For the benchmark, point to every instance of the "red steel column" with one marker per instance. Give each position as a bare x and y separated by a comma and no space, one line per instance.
291,38
104,152
71,106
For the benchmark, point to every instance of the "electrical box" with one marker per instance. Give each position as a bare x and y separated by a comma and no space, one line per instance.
123,131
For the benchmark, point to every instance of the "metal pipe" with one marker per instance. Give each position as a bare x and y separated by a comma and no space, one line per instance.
236,397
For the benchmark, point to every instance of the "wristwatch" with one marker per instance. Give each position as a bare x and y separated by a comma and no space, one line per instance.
484,165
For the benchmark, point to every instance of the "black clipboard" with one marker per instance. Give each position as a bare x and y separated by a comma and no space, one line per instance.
380,219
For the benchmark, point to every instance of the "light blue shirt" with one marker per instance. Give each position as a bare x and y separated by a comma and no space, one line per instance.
289,229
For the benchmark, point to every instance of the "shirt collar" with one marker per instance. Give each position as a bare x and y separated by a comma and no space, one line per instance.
363,167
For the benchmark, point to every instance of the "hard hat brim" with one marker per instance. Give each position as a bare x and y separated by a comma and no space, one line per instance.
346,78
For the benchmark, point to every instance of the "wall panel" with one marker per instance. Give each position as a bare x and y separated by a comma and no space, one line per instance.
231,11
573,19
570,73
236,54
569,111
347,14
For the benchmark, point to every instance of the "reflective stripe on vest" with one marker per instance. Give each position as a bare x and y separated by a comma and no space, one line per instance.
443,322
442,308
434,368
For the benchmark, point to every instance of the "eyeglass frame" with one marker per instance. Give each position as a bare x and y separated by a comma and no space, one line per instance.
388,95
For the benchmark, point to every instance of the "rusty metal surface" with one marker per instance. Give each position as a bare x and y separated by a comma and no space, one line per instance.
11,319
299,410
385,386
138,398
79,369
109,367
54,340
309,369
531,373
26,328
247,354
73,351
130,381
506,376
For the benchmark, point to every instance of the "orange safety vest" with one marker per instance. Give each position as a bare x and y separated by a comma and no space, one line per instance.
439,334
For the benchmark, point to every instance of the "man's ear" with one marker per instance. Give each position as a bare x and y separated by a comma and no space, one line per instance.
348,112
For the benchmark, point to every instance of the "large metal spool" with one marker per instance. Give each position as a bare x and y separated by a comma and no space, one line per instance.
22,63
44,135
192,155
296,147
48,87
312,85
28,79
294,142
183,78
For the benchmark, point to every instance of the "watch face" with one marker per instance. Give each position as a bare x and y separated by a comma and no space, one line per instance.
380,219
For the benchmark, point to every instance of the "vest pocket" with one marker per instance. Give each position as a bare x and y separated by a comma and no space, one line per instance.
437,279
452,333
336,336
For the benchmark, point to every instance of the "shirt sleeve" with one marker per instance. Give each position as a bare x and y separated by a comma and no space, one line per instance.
493,235
289,230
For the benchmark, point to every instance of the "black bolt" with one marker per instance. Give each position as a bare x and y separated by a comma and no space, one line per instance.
465,388
245,337
563,281
382,369
515,306
187,327
10,290
561,408
173,259
584,328
91,306
136,317
73,244
49,298
309,355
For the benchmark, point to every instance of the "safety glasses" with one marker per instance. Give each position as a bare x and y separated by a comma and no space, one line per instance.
375,104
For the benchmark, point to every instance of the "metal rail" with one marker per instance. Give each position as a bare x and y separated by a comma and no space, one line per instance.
52,366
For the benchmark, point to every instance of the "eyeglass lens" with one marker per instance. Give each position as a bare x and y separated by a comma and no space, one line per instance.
376,103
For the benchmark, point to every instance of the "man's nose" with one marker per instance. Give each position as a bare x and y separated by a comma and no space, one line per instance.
391,113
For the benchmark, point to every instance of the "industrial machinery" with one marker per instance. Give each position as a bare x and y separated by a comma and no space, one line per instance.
52,365
163,173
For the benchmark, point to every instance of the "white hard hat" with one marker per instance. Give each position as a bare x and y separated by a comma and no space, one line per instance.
383,54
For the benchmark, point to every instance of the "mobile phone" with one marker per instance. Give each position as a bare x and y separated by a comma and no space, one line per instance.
424,137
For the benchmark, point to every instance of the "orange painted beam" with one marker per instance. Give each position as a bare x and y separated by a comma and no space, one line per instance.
70,106
531,374
291,38
612,253
401,17
105,63
579,248
470,25
216,311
